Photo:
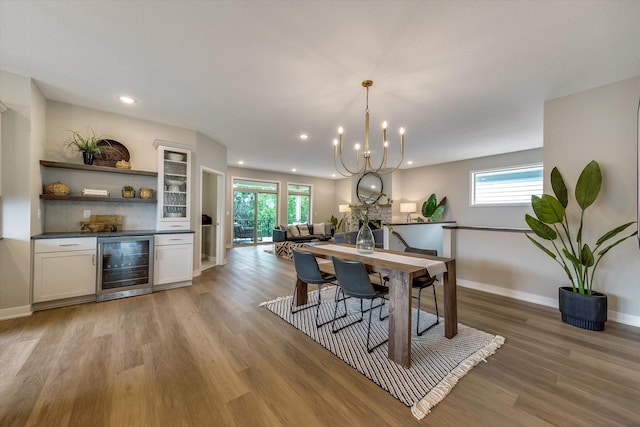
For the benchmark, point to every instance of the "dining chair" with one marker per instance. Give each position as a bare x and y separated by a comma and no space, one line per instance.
420,283
308,271
354,281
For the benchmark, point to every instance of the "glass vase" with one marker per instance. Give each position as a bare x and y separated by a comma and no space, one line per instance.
365,242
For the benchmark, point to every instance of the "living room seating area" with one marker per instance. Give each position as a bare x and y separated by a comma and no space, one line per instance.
302,232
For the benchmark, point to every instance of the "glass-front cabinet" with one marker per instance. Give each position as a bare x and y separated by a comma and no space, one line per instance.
174,186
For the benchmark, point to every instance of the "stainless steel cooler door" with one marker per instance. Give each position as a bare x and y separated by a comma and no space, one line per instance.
125,266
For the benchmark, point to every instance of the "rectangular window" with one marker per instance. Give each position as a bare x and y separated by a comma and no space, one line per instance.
255,210
506,186
298,204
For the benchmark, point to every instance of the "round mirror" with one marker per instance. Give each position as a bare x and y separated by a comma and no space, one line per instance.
369,188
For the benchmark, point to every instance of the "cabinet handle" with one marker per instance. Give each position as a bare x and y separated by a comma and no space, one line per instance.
93,260
175,226
156,255
179,240
69,244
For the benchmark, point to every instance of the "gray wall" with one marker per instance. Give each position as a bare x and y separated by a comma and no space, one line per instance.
601,124
22,142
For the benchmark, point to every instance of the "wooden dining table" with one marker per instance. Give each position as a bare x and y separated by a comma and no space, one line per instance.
401,276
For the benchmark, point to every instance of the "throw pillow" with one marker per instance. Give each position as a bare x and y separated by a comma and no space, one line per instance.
294,231
304,230
286,228
318,229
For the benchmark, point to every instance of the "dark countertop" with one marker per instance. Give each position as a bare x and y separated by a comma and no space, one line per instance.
60,234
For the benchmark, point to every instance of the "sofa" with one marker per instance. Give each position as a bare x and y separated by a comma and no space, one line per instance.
350,237
302,232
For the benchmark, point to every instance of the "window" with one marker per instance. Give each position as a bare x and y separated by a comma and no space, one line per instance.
255,210
506,186
298,204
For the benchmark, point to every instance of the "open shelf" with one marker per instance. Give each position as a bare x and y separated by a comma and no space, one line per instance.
97,199
91,168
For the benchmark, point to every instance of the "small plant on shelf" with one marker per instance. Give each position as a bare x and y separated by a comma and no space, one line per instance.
128,192
89,145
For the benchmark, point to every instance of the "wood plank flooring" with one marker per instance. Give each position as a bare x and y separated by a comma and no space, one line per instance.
207,355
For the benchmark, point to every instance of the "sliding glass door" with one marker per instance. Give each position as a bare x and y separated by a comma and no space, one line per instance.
255,210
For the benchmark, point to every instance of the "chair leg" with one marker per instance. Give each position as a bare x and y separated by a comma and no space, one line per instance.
370,349
336,302
418,331
305,307
335,312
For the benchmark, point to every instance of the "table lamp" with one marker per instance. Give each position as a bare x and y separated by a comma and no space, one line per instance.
408,208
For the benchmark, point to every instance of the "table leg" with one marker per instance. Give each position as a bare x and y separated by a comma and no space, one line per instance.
400,318
450,301
301,293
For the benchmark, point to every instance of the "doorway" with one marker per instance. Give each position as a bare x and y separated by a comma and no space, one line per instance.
255,211
212,184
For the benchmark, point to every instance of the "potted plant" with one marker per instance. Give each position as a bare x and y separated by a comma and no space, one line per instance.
579,304
432,210
128,192
89,146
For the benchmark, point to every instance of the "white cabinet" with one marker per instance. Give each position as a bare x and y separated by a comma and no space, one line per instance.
173,260
64,268
174,186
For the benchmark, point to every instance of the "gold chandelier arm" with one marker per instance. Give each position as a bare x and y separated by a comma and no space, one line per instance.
349,171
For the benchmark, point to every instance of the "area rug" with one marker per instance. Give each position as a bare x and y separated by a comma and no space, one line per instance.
437,363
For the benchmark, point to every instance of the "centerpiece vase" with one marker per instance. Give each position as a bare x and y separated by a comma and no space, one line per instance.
365,242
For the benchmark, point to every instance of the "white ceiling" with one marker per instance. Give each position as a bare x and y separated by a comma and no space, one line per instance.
465,79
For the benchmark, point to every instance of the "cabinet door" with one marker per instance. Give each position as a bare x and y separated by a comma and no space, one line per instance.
174,188
59,275
173,263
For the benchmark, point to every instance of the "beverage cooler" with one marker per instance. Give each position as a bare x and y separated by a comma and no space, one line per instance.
125,266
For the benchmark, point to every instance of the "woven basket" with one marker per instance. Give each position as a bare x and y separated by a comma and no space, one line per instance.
57,189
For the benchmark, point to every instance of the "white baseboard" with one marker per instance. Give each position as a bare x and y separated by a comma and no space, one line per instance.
13,312
626,319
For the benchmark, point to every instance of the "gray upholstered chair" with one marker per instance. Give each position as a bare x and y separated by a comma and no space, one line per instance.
307,270
354,281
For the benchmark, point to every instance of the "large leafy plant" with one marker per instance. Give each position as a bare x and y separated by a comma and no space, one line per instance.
578,259
432,210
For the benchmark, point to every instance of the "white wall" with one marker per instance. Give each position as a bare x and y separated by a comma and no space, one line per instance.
17,175
601,124
135,134
453,181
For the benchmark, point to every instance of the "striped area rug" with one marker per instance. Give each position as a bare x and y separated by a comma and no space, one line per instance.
437,363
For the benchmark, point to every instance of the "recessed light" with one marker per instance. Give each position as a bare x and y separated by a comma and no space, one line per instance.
304,136
240,162
127,99
410,162
333,175
293,170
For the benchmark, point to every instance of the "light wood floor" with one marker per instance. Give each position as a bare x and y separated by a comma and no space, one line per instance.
208,356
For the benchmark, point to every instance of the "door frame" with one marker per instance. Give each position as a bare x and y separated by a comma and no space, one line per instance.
220,217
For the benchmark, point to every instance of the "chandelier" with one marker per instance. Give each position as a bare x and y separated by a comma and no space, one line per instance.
363,166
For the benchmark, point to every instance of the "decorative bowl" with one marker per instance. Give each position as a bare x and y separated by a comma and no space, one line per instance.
146,193
57,189
174,181
123,164
175,157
